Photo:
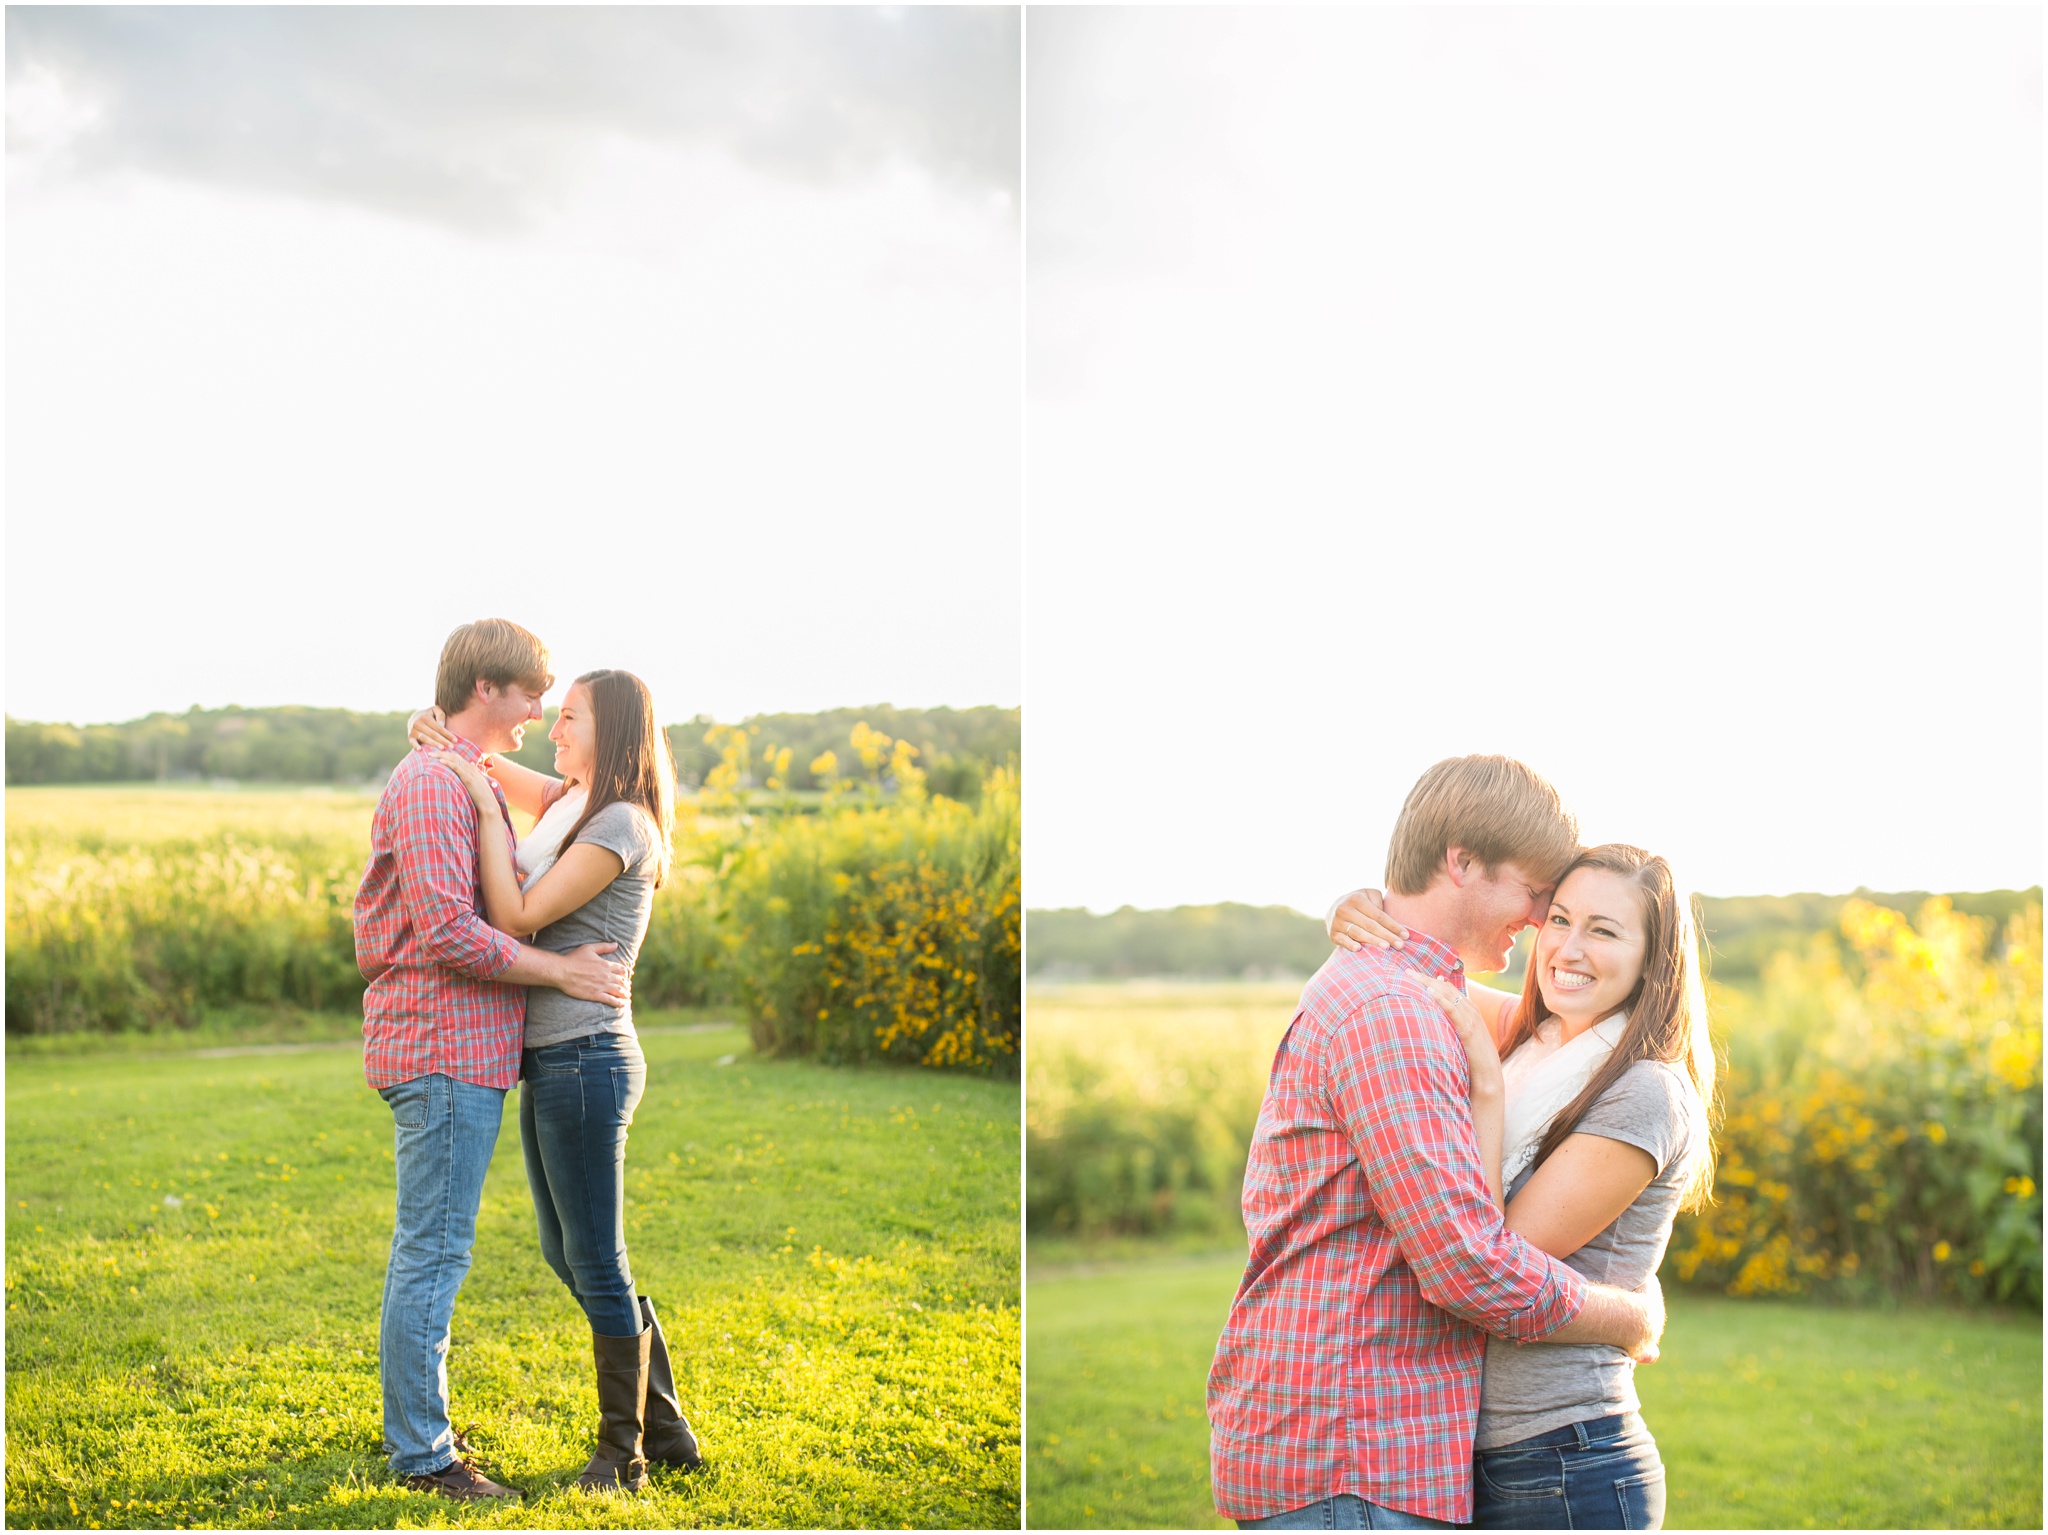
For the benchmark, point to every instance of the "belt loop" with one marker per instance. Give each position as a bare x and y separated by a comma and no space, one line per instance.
1585,1439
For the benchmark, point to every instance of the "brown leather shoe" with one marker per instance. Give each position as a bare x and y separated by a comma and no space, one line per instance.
463,1482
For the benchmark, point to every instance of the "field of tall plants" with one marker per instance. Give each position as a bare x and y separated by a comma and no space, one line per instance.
1139,1103
142,908
873,920
1882,1132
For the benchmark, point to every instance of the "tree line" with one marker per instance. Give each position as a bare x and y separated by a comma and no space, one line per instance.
1230,941
293,744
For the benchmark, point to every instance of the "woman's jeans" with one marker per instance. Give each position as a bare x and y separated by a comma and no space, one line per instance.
446,1132
575,1101
1601,1475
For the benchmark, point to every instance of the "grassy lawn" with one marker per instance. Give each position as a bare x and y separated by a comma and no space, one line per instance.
196,1249
1769,1415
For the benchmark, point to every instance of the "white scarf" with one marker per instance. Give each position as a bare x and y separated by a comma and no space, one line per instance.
539,848
1541,1078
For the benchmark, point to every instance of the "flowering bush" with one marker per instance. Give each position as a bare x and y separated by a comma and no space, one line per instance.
1883,1130
881,929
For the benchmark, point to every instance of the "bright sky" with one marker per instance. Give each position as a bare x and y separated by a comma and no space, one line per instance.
687,338
1651,394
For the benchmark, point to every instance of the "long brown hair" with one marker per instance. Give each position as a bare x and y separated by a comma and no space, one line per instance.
631,759
1667,1011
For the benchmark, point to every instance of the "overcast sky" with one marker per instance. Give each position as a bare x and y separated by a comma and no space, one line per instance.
687,337
1653,394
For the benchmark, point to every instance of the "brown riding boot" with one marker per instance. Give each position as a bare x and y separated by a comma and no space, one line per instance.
667,1436
621,1405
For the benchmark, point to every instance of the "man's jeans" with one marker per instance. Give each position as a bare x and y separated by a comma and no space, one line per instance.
446,1133
576,1100
1346,1511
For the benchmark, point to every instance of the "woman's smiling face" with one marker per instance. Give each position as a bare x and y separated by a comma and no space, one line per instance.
575,736
1590,948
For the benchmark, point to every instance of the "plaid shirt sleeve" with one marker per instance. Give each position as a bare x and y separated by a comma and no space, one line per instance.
434,834
1399,1085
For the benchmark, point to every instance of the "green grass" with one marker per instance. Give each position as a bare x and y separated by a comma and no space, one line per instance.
834,1253
1769,1415
1118,1366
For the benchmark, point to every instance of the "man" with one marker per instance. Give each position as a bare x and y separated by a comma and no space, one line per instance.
443,1021
1345,1389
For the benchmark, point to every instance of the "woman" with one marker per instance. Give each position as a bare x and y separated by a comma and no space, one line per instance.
590,865
1596,1127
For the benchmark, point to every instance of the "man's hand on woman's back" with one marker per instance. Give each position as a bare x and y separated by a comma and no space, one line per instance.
1630,1320
583,973
593,978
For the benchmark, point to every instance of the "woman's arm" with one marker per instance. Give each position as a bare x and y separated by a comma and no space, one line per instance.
1578,1192
1489,1097
581,871
526,791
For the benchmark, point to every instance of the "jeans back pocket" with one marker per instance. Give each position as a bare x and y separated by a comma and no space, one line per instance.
1642,1500
1521,1474
628,1084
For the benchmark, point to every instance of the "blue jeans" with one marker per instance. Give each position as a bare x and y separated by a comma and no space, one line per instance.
1601,1475
446,1132
576,1100
1345,1511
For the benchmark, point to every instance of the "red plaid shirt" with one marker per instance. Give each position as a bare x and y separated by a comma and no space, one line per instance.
422,942
1352,1358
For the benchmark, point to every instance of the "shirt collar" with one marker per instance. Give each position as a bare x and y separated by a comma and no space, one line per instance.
1432,957
463,747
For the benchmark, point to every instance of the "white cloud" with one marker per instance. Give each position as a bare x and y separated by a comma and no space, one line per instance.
485,117
752,434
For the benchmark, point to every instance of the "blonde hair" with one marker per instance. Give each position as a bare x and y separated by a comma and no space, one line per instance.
1495,808
1667,1011
493,650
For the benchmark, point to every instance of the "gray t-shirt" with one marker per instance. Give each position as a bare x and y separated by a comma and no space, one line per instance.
616,914
1532,1388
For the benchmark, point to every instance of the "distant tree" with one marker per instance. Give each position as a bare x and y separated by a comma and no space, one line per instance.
1229,940
287,744
1223,942
290,744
